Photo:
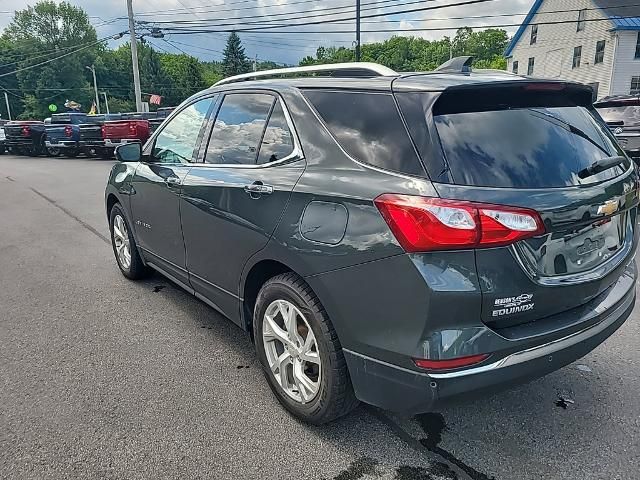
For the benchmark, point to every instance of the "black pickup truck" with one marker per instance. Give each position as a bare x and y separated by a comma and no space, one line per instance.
25,137
91,139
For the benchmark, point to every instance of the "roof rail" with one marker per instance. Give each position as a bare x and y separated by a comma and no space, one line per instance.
456,65
353,69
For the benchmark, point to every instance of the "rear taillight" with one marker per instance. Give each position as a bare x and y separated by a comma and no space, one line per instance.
26,131
68,131
133,129
423,224
102,131
451,363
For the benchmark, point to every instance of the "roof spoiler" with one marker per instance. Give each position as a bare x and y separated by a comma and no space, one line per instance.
456,65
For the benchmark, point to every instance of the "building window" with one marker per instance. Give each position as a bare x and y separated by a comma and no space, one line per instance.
582,15
577,54
599,52
635,86
515,67
530,66
534,34
638,46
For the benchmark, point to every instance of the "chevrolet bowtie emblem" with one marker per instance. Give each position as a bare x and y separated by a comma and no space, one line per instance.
608,208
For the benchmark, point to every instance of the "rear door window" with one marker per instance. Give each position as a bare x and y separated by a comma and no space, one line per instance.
368,127
277,142
239,128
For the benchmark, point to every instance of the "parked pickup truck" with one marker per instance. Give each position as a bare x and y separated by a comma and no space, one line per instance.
63,134
121,132
622,114
25,137
91,141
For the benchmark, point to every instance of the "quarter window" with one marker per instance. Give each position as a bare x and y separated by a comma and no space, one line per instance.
368,127
534,34
599,52
582,15
577,55
238,129
177,140
515,67
532,61
635,86
276,141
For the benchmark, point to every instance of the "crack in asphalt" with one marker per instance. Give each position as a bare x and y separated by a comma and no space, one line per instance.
71,215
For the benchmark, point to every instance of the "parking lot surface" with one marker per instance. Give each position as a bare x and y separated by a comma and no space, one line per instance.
101,377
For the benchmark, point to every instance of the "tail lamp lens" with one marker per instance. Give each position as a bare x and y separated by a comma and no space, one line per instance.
424,224
26,131
68,131
451,363
133,129
102,130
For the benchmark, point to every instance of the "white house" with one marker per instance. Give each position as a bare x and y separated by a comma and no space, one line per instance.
596,42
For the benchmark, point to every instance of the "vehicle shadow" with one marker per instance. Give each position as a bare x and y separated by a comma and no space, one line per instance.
554,427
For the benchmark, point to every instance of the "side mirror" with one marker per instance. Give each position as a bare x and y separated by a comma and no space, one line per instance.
129,152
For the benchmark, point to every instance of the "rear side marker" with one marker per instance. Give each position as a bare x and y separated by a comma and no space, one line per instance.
451,363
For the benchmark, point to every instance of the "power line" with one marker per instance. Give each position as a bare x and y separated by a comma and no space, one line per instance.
391,30
58,57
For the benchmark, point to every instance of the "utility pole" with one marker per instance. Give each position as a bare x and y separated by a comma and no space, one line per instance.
357,30
95,86
106,102
134,57
255,63
6,99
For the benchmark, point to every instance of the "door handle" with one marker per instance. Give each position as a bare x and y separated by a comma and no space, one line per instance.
172,181
258,188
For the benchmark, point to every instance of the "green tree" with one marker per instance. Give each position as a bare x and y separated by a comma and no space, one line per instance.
185,74
53,28
234,61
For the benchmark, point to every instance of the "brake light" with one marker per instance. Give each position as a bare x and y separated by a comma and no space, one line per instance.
451,363
103,130
545,86
26,131
133,129
68,131
423,224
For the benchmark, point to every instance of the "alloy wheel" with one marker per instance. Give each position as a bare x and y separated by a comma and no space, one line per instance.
291,349
121,241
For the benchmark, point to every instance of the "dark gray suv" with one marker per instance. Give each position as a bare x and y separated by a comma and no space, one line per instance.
399,239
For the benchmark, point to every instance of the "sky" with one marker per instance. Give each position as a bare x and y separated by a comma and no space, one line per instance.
107,17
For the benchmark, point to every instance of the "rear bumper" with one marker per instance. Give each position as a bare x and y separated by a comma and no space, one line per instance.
61,144
400,389
112,143
91,143
13,142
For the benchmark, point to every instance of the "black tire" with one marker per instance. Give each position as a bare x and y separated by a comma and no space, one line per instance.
136,270
335,396
71,152
53,152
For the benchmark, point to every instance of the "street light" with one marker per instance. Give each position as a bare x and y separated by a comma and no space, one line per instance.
106,103
95,86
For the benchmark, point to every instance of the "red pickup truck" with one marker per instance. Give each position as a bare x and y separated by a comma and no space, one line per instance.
120,132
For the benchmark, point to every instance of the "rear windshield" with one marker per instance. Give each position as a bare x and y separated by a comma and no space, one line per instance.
623,115
533,147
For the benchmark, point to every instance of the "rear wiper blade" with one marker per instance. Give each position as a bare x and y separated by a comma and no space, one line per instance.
600,166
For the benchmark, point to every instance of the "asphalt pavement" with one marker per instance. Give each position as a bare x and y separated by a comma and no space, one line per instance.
101,377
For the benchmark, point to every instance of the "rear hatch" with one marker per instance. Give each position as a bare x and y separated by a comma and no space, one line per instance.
530,145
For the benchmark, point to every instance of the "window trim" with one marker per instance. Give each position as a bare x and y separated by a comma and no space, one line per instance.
637,53
579,57
147,148
515,66
534,35
631,85
296,153
604,46
531,63
581,23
